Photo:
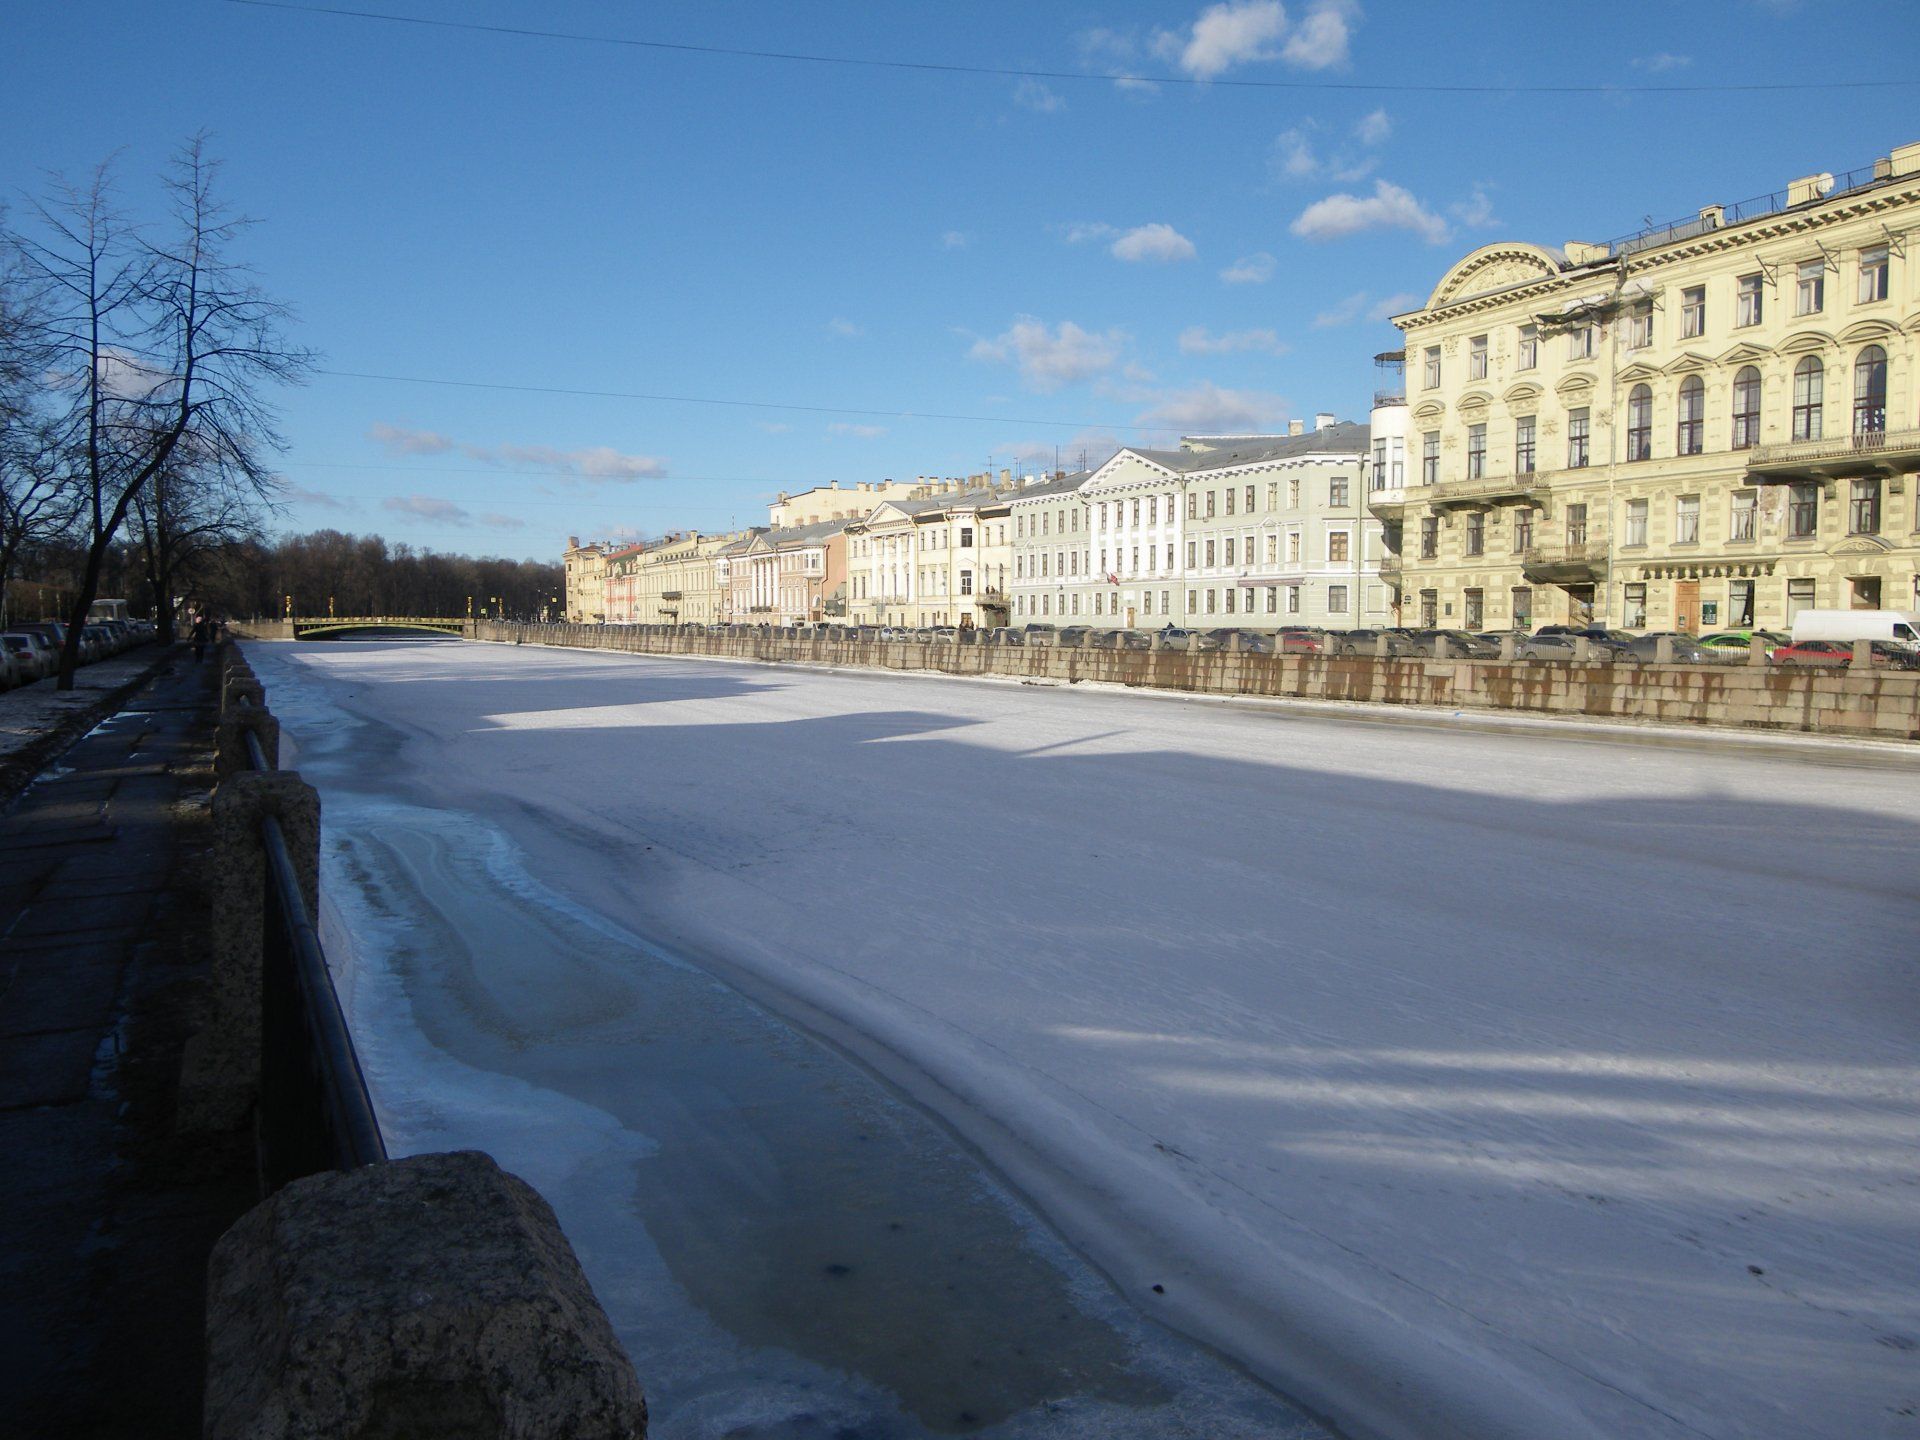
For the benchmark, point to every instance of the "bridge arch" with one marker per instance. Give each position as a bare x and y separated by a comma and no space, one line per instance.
330,626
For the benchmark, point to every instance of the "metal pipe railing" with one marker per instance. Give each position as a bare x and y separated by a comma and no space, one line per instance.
316,1112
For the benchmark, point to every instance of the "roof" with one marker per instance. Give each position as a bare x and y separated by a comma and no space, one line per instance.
1341,438
1065,485
805,534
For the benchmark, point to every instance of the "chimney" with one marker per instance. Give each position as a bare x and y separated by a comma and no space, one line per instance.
1006,476
1322,420
573,542
1296,427
833,484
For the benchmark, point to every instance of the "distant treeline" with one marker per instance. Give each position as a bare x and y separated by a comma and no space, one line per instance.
364,575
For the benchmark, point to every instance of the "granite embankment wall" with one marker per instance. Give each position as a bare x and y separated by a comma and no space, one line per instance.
1868,703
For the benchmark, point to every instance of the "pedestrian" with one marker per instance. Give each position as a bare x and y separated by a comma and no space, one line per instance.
202,632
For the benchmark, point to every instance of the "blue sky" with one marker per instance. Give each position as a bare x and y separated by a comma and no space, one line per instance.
1069,261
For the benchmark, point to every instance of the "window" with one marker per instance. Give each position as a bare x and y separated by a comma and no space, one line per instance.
1809,394
1522,530
1398,453
1429,609
1529,350
1746,409
1873,274
966,537
1577,524
1227,595
1273,599
1870,391
1810,294
1476,608
1193,509
966,582
1293,599
1580,343
1476,451
1577,427
1746,504
1249,500
1747,308
1336,599
1740,604
1338,546
1293,547
1690,429
1523,445
1640,423
1293,494
1227,559
1192,596
1380,463
1210,553
1337,492
1429,536
1693,312
1229,501
1273,549
1633,609
1136,512
1522,607
1477,533
1803,512
1211,497
1433,367
1640,325
1863,509
1430,458
1477,358
1636,531
1210,606
1686,520
1146,602
1153,509
1799,597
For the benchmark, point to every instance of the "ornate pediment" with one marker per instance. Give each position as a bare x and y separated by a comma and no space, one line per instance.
1473,400
1638,373
1865,332
1745,353
1578,383
1862,545
1525,393
1688,363
1807,342
1429,410
1494,267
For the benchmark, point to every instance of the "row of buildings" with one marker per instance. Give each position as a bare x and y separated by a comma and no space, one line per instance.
1708,424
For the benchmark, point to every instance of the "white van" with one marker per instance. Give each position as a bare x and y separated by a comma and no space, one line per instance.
101,610
1902,627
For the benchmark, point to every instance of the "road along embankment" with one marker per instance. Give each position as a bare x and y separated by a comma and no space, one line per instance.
1863,704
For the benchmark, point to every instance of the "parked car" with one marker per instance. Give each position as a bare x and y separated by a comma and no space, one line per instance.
1602,643
944,632
1890,654
1104,640
30,654
1686,648
1072,637
1542,647
1366,642
10,673
1734,646
1172,637
1900,627
1135,639
1006,635
1461,644
1300,642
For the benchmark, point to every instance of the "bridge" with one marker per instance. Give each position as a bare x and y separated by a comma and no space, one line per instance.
323,626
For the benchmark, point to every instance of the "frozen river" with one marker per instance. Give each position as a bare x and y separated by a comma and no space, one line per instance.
1459,1084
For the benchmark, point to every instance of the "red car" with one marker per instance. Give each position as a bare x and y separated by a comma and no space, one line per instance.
1298,642
1839,652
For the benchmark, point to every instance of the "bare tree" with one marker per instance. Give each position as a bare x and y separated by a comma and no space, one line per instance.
156,348
186,513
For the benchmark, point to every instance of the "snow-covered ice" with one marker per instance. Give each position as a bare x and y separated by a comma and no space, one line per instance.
1460,1084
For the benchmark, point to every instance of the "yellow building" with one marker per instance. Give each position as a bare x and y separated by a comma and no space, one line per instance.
677,584
586,578
942,557
1710,424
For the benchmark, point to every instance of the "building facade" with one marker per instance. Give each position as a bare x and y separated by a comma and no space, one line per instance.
586,573
676,582
620,585
1712,424
939,558
792,576
1048,545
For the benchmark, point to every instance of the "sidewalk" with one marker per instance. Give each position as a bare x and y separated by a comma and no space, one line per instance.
105,1217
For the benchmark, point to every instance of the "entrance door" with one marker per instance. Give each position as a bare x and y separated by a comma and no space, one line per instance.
1580,604
1686,605
1129,617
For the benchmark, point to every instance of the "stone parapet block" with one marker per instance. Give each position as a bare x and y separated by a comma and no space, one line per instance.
230,740
427,1298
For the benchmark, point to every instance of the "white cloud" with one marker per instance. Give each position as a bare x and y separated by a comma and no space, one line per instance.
597,462
1206,408
399,440
845,329
426,507
1295,157
1323,39
1362,303
1153,242
1255,269
1661,62
1081,231
1117,52
1476,211
1388,208
772,427
954,240
1197,340
318,499
1373,128
858,432
1293,154
502,522
1032,94
1238,32
1048,359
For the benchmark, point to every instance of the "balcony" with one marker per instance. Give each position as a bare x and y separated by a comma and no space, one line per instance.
1486,490
1565,562
1384,398
1387,504
670,594
1871,452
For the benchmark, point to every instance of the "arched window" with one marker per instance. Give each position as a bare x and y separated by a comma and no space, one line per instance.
1746,409
1640,424
1870,391
1690,432
1809,391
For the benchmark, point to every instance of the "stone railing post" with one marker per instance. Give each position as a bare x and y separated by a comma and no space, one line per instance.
230,740
1440,648
1509,647
1582,650
1382,647
1862,655
220,1071
428,1297
1663,651
1756,650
